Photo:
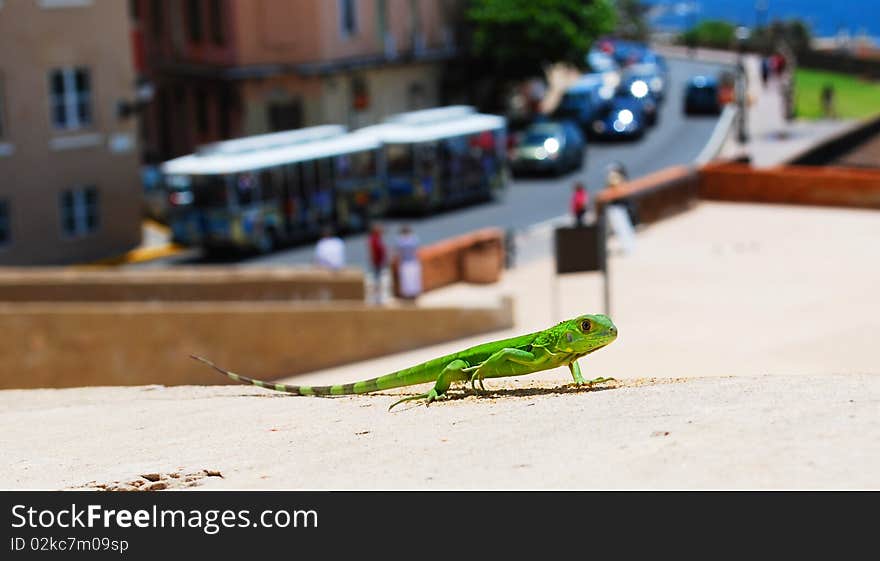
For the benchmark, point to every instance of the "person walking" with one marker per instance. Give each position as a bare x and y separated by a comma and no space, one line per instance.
409,269
579,201
377,260
330,251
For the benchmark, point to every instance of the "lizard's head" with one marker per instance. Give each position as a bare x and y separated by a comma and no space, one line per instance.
584,334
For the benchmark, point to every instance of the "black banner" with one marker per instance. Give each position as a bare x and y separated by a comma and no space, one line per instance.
238,523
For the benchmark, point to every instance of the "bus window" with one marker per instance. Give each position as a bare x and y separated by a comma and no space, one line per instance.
400,159
246,189
270,183
209,191
324,191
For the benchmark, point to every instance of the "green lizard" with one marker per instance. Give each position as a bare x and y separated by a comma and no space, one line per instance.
562,344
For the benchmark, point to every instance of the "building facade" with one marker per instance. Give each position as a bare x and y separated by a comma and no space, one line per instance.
69,160
229,68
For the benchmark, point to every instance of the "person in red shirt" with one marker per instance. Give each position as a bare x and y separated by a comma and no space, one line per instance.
378,258
579,200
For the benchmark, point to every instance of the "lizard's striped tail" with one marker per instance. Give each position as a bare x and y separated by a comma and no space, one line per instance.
394,380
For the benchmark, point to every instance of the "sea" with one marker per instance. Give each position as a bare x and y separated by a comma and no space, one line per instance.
826,18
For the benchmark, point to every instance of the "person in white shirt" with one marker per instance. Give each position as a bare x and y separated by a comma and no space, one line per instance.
330,251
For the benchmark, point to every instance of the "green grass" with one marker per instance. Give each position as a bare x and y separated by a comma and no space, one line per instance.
854,98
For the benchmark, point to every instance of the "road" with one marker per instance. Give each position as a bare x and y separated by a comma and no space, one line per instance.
676,139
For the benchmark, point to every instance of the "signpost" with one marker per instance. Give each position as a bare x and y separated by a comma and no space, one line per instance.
582,249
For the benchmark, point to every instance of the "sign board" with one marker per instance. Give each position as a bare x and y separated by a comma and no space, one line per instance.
622,227
580,248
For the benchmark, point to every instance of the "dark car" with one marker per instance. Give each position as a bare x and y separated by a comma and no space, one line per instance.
582,99
548,146
653,74
635,90
702,95
623,117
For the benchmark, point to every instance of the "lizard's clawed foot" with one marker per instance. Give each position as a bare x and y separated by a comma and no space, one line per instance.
600,380
428,397
474,380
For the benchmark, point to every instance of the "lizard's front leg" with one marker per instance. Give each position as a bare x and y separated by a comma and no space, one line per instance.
575,370
504,363
579,379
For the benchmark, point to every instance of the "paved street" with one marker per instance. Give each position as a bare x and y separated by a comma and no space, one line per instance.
676,139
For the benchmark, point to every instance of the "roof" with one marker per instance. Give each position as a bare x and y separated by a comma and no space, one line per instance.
220,163
703,81
400,133
271,140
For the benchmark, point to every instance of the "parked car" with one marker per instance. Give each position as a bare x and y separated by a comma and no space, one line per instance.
702,95
554,146
622,118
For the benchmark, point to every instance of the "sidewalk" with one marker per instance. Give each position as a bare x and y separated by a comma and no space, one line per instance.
772,140
155,244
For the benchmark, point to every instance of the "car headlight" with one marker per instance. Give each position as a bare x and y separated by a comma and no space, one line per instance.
540,154
639,88
599,126
625,116
551,145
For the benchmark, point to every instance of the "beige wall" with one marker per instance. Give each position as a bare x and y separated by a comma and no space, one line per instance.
34,40
67,345
296,31
329,99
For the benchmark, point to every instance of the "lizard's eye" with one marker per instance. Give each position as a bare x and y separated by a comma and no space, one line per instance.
586,325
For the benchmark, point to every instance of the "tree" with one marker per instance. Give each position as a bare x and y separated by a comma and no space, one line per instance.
631,20
521,37
718,34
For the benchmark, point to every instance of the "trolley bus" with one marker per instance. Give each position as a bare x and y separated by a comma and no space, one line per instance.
258,193
443,157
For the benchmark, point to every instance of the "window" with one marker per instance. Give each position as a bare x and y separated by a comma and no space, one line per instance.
347,17
202,111
194,20
134,10
2,122
157,16
70,97
215,13
79,211
5,226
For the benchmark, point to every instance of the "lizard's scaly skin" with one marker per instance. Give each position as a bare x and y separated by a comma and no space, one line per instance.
559,345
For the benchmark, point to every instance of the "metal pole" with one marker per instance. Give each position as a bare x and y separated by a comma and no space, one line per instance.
606,281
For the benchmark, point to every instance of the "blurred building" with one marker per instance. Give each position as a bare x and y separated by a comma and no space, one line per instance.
69,187
228,68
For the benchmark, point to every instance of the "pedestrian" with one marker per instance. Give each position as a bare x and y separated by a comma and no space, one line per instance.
330,250
765,70
828,110
579,200
377,260
409,270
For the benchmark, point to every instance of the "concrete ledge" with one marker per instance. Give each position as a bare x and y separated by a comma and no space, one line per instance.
824,186
178,284
766,432
74,344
